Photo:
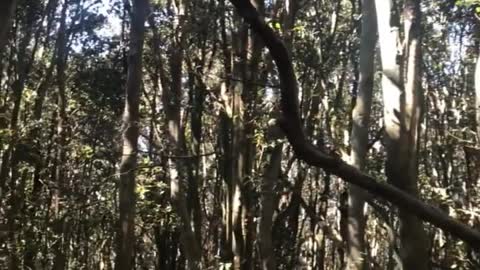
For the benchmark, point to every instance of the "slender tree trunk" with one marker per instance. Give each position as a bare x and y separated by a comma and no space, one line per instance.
31,249
268,207
23,67
477,94
164,236
415,248
359,138
243,91
290,12
402,99
131,119
226,252
238,156
7,8
172,98
42,92
61,62
10,158
197,95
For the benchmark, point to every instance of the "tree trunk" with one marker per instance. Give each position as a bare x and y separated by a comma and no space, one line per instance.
11,156
172,98
197,95
415,248
359,141
402,99
226,252
59,223
59,53
24,64
236,107
237,148
477,94
7,8
131,118
268,207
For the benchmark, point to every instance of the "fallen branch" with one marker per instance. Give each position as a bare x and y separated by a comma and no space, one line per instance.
304,150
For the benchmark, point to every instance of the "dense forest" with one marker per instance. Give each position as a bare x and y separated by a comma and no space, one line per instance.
241,134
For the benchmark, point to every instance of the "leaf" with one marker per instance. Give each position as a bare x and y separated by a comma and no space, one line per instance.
141,190
86,151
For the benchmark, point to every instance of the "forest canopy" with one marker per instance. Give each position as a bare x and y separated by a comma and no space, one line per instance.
241,134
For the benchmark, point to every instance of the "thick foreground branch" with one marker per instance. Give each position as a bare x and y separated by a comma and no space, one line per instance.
305,151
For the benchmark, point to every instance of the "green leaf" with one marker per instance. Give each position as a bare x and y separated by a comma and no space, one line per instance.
86,151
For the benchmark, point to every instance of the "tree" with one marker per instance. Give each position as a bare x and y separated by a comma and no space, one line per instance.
403,103
7,9
477,93
308,153
172,99
360,119
243,144
61,152
131,121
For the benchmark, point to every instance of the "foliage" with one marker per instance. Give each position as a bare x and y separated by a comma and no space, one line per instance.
53,206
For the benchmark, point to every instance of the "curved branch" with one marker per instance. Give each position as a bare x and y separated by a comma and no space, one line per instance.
304,150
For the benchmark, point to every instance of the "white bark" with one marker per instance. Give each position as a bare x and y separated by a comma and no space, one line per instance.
402,99
361,117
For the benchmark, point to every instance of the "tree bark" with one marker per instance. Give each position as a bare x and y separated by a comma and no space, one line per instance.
402,99
172,98
237,144
359,138
7,8
477,94
197,95
268,207
61,65
415,252
226,244
131,119
11,156
24,63
250,97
